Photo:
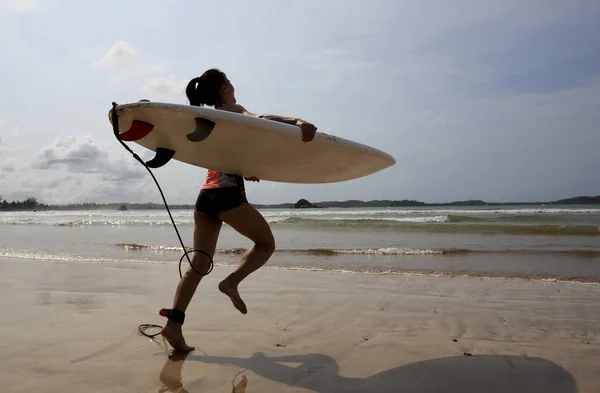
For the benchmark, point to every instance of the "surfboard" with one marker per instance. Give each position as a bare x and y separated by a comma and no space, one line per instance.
244,145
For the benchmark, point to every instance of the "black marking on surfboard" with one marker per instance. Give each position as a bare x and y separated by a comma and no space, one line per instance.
330,138
162,156
203,129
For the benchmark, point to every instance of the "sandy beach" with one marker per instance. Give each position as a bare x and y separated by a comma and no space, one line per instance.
73,327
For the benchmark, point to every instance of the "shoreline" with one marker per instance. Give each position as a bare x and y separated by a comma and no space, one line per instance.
456,274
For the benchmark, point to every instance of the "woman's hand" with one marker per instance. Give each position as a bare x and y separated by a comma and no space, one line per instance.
252,178
308,130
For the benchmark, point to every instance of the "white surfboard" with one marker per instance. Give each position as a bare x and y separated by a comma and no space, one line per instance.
244,145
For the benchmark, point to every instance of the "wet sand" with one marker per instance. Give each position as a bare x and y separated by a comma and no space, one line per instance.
73,327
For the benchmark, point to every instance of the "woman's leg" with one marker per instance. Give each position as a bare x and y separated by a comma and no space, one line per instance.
206,234
248,221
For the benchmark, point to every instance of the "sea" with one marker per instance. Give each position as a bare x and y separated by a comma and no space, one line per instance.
517,242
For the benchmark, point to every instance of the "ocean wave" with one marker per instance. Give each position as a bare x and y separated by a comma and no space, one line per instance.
357,270
524,218
510,221
309,251
433,224
93,222
277,219
440,226
430,211
382,251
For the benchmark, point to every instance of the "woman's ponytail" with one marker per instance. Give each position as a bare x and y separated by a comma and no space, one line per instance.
192,92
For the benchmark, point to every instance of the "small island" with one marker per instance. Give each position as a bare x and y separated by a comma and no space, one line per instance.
305,204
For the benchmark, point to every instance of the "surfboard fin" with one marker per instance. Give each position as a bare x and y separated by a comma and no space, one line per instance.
161,158
203,129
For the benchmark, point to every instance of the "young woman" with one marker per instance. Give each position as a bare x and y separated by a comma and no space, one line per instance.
222,198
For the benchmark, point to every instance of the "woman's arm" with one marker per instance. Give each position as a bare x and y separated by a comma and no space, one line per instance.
240,109
288,120
308,129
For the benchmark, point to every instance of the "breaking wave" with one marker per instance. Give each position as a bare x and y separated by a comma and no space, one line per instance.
372,251
360,270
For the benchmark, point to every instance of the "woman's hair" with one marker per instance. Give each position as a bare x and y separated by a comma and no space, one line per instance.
204,90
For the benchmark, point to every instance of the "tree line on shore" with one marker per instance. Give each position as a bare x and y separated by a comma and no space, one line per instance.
31,204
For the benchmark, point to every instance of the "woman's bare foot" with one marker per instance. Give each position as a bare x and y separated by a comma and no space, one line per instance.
172,333
230,290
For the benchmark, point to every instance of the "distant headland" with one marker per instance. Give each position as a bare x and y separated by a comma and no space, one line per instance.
303,203
31,204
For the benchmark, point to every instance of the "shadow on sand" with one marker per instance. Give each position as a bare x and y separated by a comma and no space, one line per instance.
459,374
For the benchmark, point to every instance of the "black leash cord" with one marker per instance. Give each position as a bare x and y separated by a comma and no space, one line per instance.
147,325
115,124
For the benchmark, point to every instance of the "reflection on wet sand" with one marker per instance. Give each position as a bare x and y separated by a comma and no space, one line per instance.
171,376
464,374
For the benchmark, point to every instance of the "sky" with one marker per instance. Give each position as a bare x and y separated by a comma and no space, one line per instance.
475,99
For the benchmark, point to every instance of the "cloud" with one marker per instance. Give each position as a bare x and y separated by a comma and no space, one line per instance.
82,154
21,6
7,163
77,154
8,154
76,168
162,87
121,56
125,63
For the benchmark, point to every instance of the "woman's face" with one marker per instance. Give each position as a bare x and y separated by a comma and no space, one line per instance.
228,92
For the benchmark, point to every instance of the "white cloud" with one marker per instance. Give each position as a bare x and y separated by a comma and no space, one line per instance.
125,64
21,6
162,87
118,58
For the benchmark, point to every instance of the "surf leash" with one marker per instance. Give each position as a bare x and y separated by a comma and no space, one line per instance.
163,312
